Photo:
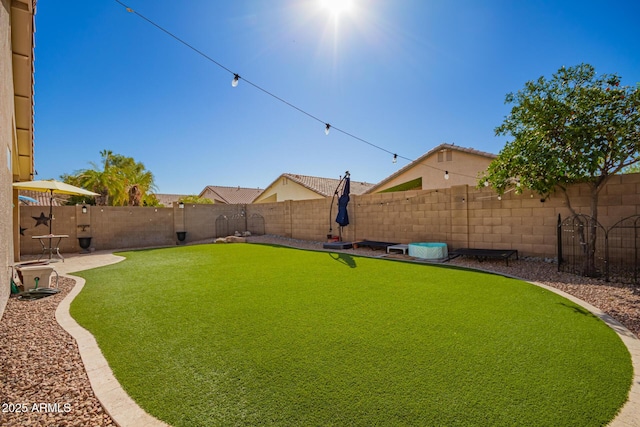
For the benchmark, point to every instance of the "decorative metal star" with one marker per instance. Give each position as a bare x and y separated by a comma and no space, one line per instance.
42,219
22,230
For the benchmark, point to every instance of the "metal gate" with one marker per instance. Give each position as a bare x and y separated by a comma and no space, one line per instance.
227,226
586,248
623,256
222,226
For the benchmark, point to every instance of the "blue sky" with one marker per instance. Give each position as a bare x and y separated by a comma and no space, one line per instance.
404,75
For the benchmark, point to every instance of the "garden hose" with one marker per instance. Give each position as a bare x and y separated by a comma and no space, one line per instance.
34,294
14,287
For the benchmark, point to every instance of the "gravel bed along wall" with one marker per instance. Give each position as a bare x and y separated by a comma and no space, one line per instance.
42,378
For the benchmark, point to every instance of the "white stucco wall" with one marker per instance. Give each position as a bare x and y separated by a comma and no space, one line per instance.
462,167
286,189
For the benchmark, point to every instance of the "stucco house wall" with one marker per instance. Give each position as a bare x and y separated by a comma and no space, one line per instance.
6,138
16,124
462,165
286,189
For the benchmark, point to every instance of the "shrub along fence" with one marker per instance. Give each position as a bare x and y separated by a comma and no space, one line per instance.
460,216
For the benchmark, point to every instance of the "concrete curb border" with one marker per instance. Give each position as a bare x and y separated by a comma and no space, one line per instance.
117,403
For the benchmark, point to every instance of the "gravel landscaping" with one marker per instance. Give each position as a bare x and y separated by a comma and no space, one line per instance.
43,381
43,376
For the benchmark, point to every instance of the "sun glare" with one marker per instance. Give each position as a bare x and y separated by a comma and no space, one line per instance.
337,7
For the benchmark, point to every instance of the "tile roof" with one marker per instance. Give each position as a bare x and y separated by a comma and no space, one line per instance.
167,200
325,186
428,154
43,198
231,195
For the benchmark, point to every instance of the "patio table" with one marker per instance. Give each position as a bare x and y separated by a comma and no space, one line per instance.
51,247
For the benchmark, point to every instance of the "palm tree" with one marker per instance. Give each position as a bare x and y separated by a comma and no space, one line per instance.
137,182
139,185
100,179
119,180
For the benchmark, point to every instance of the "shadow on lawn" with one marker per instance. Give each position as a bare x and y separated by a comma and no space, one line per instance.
344,259
579,310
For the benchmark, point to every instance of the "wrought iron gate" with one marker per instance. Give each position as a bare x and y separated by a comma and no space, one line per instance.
586,248
226,226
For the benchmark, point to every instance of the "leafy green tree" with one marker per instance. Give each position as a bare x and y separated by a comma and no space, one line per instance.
576,127
196,200
632,169
120,181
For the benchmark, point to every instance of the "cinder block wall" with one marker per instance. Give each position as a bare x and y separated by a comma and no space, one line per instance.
275,221
202,221
131,227
460,216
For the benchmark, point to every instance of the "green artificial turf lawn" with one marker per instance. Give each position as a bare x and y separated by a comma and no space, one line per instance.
231,335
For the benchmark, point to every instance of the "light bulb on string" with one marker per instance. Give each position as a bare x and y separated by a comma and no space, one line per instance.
395,158
236,79
446,174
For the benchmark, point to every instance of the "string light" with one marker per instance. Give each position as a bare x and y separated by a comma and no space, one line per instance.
236,79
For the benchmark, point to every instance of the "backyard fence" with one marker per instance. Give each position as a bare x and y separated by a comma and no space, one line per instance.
460,216
587,248
240,222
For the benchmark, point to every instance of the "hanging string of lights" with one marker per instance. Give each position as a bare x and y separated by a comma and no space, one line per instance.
236,80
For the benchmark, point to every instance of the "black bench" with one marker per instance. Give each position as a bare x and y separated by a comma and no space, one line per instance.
373,245
482,254
337,245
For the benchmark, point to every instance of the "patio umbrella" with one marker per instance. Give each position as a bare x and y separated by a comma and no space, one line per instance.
343,216
27,199
53,187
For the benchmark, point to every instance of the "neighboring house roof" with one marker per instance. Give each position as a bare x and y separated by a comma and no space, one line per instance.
432,152
324,186
167,200
230,195
43,198
313,187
